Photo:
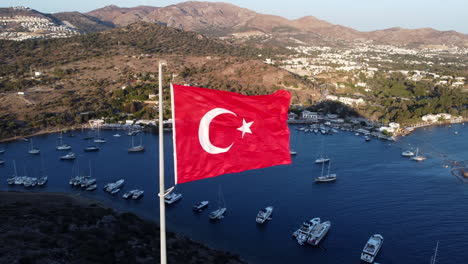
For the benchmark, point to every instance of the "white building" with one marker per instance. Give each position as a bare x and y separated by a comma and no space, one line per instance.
310,115
96,122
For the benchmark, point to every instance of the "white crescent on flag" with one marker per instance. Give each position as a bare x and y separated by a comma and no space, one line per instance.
204,131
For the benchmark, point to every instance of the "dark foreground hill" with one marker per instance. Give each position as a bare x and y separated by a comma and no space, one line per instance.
59,228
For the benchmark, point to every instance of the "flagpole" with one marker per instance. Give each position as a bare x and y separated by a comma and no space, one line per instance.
162,209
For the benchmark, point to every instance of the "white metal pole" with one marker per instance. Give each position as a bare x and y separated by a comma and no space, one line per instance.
162,209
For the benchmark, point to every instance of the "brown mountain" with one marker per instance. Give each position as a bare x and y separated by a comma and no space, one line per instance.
84,23
221,19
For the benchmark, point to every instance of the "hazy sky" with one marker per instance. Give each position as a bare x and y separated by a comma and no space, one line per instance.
364,15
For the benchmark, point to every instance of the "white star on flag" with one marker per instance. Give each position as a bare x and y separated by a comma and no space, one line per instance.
245,128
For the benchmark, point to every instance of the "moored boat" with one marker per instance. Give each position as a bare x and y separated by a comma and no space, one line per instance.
418,157
303,233
372,247
407,153
91,149
200,206
172,198
318,233
69,156
264,215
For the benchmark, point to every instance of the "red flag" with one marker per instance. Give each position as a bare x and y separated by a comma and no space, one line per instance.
217,132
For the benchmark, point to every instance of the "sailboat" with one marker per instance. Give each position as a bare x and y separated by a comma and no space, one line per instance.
326,178
322,158
43,179
62,146
418,157
138,148
99,139
13,177
32,149
219,213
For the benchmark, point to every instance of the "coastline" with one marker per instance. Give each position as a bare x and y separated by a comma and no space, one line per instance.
66,228
410,129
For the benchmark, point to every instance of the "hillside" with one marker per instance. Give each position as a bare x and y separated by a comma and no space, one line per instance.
60,228
222,19
87,73
84,23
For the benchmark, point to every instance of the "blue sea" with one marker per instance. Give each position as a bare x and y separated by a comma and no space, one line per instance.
413,205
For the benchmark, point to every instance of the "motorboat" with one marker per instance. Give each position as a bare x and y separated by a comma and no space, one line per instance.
41,181
69,156
91,149
172,198
292,152
200,206
128,194
110,187
114,191
303,233
2,162
322,160
367,138
372,247
63,147
264,215
137,194
407,153
318,233
92,187
2,151
116,135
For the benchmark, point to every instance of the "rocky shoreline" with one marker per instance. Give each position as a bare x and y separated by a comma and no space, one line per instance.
62,228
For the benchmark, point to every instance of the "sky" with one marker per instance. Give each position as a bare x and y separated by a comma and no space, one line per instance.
363,15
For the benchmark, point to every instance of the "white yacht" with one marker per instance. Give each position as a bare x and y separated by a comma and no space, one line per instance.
329,177
2,162
172,198
264,215
303,233
32,150
69,156
91,149
117,135
114,191
92,187
292,152
322,159
137,194
41,181
418,157
407,153
110,187
128,194
200,206
372,247
367,138
319,232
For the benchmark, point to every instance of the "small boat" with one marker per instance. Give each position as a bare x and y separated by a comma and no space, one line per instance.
114,185
172,198
99,139
32,150
91,149
116,135
357,134
372,247
69,156
114,191
139,148
456,132
128,194
303,233
292,152
218,214
367,138
41,181
200,206
25,139
91,187
88,137
318,232
61,145
2,151
418,157
137,194
407,153
2,162
326,178
264,215
322,160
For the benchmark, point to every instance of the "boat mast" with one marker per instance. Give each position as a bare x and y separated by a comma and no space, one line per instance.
323,164
434,257
14,166
329,168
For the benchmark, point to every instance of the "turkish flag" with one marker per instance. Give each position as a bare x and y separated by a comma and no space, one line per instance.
218,132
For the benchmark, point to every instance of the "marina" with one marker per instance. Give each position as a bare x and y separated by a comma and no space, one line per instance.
399,187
